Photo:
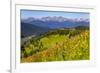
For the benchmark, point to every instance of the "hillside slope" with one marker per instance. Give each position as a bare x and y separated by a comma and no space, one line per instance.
57,45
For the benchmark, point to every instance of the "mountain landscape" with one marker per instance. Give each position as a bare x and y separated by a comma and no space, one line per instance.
54,38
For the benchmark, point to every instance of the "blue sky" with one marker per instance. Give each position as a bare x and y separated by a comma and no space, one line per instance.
38,14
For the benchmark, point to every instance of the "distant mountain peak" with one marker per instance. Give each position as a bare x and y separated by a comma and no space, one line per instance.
55,18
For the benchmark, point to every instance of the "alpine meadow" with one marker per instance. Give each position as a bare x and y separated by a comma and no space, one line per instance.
48,36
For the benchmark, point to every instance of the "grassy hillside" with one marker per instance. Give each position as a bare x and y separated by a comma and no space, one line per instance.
57,45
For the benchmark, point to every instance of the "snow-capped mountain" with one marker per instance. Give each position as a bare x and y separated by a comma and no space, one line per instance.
55,18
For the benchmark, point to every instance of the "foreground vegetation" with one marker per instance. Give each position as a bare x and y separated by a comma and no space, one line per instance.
57,45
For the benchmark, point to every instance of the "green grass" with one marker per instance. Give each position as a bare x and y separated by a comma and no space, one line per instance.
57,45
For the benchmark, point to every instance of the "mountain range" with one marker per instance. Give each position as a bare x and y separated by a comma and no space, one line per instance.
36,26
